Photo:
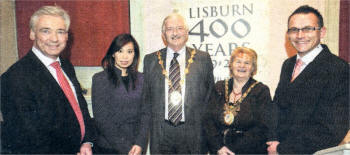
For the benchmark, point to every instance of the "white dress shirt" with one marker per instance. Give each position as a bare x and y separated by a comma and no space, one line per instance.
309,57
47,62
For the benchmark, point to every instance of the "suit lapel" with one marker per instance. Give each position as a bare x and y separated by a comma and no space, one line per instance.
162,77
43,74
290,68
72,77
160,80
187,84
48,82
312,67
164,53
66,70
55,98
70,74
188,54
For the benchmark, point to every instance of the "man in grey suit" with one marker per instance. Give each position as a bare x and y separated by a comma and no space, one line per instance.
177,86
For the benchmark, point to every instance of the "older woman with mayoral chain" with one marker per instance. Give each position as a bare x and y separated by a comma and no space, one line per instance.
121,118
235,121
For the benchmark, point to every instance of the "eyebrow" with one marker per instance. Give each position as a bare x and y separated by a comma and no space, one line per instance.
305,26
44,28
127,49
47,28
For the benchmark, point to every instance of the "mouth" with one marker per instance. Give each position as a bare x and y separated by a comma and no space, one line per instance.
124,62
301,42
241,70
53,47
175,37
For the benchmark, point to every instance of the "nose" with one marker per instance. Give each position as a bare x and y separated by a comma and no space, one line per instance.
124,55
241,64
300,34
54,37
175,31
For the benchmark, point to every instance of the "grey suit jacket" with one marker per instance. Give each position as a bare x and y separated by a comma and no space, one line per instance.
199,85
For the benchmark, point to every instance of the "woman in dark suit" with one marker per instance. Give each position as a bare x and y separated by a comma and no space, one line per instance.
121,118
235,123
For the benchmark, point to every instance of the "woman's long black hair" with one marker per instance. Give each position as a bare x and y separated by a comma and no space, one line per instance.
108,62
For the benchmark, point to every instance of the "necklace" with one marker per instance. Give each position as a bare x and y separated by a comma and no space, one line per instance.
165,73
231,109
234,95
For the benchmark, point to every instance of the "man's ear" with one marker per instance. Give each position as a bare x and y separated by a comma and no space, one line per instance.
323,32
32,35
164,40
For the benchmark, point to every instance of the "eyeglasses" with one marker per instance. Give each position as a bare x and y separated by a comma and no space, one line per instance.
46,31
307,29
178,28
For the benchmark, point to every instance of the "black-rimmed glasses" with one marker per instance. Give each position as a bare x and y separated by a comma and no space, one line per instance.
307,29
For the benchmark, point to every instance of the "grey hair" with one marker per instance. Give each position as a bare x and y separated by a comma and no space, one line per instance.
174,14
49,10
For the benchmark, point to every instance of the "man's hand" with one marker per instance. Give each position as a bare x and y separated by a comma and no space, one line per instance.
85,149
272,149
225,151
135,150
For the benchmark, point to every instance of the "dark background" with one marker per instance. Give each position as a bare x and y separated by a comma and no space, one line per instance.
93,26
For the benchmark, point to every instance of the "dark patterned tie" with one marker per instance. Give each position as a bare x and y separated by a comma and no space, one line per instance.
174,94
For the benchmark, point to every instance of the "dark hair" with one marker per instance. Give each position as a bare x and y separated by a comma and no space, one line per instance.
305,9
108,62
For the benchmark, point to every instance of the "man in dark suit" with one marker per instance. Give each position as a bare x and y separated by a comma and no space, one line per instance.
178,81
41,99
312,96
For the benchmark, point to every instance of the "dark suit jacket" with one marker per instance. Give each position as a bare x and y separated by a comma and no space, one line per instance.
199,85
37,115
313,110
121,118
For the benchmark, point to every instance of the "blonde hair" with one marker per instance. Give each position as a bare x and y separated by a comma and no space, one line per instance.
244,50
52,11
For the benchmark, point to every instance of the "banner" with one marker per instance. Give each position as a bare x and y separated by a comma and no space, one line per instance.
218,27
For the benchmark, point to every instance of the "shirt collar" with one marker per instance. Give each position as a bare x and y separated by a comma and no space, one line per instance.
311,55
170,52
44,59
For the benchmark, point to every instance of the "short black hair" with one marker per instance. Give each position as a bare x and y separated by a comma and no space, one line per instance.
305,9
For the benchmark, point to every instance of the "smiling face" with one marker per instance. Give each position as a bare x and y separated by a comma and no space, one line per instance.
124,57
175,32
242,66
304,42
49,35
